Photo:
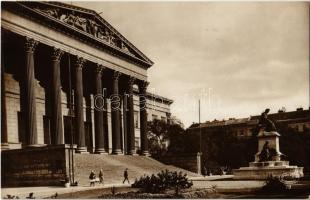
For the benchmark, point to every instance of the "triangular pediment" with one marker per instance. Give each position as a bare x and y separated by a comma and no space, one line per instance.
89,23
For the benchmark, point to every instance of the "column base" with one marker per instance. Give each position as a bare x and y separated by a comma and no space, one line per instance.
117,152
5,146
35,145
132,153
145,153
81,150
100,151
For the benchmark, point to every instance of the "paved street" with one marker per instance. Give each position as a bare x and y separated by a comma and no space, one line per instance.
221,183
41,192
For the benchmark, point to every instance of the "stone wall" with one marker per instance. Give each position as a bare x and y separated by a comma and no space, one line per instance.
185,161
12,107
38,166
14,116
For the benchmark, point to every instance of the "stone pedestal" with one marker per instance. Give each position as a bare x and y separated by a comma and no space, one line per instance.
199,154
260,170
273,140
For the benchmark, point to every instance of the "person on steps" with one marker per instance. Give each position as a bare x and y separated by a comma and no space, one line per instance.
126,176
101,176
92,178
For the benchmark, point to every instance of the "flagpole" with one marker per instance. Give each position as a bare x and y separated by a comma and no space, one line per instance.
199,126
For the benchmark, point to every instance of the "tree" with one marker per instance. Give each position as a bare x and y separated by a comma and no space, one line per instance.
159,132
158,129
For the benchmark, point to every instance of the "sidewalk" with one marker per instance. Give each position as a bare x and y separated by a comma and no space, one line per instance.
212,178
48,191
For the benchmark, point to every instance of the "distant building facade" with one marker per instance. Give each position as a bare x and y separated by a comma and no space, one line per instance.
243,127
158,107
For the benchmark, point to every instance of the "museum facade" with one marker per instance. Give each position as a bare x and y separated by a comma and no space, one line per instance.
69,77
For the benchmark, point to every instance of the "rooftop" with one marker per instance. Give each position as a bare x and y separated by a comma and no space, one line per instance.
280,115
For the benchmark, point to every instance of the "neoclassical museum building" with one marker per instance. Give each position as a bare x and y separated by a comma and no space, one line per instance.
68,77
66,70
69,80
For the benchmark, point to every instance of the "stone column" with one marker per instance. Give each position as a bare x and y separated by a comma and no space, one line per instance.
4,130
116,118
30,96
98,109
78,106
105,123
143,118
130,119
124,122
56,121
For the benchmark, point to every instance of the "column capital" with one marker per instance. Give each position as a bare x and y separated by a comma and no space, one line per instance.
57,54
143,86
116,75
30,44
131,80
99,69
79,62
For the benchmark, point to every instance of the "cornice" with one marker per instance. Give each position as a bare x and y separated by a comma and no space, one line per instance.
21,8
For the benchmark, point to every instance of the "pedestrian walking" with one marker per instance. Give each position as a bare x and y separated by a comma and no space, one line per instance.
101,176
126,176
92,178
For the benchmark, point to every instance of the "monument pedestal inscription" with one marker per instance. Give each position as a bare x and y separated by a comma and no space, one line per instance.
268,161
268,158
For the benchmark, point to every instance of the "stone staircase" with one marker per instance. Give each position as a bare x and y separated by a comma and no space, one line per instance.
113,167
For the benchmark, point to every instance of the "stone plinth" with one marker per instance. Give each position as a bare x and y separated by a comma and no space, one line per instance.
267,169
35,166
261,170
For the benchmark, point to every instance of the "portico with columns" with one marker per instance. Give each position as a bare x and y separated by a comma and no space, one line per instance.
64,71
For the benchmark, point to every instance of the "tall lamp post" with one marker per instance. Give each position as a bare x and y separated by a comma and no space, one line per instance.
200,152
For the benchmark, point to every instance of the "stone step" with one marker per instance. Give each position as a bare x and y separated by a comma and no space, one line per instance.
113,167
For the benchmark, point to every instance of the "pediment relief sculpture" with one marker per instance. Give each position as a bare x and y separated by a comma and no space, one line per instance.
86,24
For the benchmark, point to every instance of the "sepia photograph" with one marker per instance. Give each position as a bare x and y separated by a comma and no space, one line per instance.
155,99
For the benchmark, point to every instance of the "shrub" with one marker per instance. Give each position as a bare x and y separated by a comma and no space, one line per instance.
8,196
274,184
163,181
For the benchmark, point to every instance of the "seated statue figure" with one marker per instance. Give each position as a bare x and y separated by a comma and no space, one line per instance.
266,123
264,154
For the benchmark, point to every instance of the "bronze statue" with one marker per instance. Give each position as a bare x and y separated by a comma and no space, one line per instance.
266,123
264,154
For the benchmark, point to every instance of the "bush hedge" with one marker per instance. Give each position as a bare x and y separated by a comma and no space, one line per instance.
163,181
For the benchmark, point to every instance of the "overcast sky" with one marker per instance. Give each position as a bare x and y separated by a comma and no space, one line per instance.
238,58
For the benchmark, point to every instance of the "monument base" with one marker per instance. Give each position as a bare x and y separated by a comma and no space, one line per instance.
262,170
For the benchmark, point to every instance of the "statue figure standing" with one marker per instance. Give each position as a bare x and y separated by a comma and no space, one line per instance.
266,123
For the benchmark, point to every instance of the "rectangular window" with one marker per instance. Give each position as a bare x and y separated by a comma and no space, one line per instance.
136,143
136,118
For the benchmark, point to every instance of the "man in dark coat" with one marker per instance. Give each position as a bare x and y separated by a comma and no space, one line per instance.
125,176
92,177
